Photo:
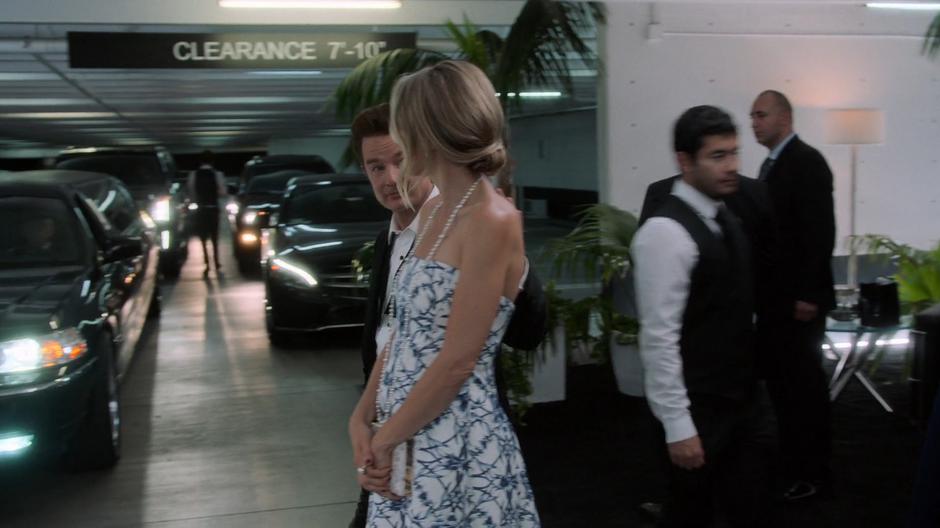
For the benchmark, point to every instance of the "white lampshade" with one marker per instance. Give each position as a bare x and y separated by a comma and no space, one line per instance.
855,127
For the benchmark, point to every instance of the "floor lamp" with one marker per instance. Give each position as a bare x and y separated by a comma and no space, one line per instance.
854,127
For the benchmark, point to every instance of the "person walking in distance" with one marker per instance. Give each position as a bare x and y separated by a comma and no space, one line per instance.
206,188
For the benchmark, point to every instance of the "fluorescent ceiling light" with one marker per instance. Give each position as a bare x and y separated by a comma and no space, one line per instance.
533,95
311,4
914,6
57,115
286,73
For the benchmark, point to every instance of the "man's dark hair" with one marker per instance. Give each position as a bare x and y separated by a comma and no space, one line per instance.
779,99
698,122
373,121
206,157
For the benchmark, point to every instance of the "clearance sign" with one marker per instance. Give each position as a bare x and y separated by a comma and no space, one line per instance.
230,50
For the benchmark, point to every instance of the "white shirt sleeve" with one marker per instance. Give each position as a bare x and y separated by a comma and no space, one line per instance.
664,255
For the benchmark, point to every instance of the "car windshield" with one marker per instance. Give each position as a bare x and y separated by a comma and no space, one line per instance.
333,203
314,165
131,169
273,183
38,232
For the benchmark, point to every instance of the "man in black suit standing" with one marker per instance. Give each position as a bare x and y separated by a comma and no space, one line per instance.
380,158
800,186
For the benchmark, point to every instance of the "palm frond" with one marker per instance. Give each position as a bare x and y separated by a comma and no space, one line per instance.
535,51
370,83
918,274
932,39
472,48
600,243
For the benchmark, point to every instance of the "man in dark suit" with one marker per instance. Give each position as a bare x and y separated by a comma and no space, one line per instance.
380,158
800,186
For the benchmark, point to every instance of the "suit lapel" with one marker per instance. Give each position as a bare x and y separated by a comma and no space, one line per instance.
383,253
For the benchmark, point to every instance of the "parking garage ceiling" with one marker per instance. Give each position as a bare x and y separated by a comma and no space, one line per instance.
45,104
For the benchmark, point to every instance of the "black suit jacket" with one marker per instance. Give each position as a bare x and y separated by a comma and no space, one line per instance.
752,204
527,328
800,188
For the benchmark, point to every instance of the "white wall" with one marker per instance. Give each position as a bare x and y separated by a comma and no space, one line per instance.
556,150
821,56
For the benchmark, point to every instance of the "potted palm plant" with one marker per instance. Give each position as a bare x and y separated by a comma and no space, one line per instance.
599,247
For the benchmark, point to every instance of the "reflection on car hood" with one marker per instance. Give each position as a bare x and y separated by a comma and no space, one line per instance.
30,298
259,200
313,242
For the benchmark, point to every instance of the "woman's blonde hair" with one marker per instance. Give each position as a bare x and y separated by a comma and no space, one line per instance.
449,109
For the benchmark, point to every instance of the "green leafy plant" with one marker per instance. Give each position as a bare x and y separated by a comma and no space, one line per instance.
932,39
598,247
534,53
599,243
918,274
516,366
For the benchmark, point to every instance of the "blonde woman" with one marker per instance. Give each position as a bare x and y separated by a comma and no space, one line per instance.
432,389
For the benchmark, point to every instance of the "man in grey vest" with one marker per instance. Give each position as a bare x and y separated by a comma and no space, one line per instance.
695,301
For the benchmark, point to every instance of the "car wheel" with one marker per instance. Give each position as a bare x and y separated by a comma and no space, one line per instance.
170,266
277,337
98,442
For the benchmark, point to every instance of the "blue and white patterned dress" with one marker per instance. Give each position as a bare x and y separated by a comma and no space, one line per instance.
468,468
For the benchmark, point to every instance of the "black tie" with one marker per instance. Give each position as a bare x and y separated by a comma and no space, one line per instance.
765,168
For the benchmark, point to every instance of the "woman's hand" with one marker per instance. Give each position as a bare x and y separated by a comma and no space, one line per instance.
382,452
360,434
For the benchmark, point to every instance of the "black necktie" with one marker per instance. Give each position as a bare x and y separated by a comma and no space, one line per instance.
765,168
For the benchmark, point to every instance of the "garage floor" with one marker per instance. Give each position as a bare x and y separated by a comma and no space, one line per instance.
219,429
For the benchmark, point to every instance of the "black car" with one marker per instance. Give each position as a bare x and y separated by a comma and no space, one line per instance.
78,278
149,174
251,211
260,165
309,280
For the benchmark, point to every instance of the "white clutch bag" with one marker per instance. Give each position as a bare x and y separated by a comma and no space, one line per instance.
402,466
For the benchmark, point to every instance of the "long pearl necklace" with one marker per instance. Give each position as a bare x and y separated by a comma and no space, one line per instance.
383,414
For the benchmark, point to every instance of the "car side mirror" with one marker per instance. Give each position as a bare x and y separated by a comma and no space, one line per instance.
121,248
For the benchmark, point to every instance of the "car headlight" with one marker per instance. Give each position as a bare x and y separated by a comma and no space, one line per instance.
293,271
249,217
232,208
160,210
52,350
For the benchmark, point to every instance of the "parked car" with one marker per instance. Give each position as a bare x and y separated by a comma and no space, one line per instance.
260,165
78,278
149,174
309,281
251,210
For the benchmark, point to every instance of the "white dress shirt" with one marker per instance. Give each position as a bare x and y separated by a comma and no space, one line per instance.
664,255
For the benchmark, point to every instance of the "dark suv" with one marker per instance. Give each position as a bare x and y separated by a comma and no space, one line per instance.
148,173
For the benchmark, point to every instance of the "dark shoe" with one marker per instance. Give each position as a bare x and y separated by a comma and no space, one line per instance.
801,490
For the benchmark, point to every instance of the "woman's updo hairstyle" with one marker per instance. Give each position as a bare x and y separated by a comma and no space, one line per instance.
449,109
